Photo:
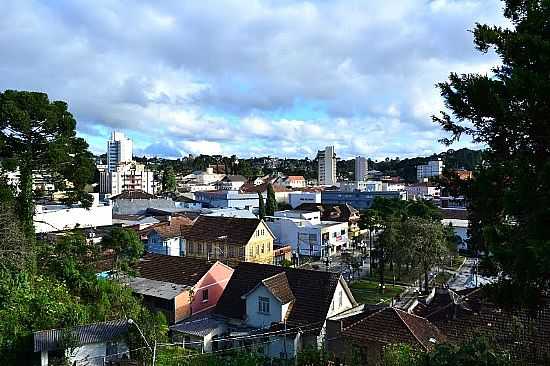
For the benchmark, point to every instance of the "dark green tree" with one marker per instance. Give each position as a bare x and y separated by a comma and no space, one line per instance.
261,210
39,137
508,111
271,204
126,246
169,180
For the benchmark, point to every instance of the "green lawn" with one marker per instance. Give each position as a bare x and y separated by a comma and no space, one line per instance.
366,291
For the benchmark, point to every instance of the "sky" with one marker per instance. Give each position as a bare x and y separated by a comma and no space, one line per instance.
251,78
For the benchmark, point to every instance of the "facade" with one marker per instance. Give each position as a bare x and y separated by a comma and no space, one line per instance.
179,287
361,168
358,200
434,168
339,213
229,238
326,166
281,193
422,191
231,183
128,176
119,150
138,202
307,234
95,343
228,199
295,199
362,186
291,181
56,217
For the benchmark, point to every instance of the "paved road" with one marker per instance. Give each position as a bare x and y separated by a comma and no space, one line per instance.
466,277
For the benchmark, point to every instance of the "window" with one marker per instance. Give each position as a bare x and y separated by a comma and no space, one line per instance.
251,251
205,295
340,299
334,234
257,249
263,248
343,232
263,305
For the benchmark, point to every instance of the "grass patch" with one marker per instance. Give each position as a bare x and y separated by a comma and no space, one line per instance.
366,291
173,355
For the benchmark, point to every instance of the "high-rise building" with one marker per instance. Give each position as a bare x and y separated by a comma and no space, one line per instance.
327,166
127,176
361,168
434,168
119,150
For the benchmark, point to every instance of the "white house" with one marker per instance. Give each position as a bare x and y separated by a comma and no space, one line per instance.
278,310
304,231
57,217
231,183
295,199
90,345
422,191
361,186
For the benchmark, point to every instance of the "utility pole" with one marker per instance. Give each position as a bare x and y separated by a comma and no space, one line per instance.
154,353
284,344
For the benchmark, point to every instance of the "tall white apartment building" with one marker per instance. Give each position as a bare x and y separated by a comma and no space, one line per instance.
127,176
434,168
119,150
327,166
361,168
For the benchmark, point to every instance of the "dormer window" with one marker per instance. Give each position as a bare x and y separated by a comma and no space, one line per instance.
263,305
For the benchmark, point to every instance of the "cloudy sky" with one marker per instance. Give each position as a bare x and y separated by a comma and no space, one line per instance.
247,77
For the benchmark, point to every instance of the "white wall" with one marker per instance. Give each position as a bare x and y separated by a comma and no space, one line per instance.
256,319
297,198
157,244
93,354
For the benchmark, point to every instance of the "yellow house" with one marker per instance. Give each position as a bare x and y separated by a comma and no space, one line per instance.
237,239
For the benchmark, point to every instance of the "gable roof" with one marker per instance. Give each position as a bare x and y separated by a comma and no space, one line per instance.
53,339
391,325
172,229
313,291
232,230
133,195
278,286
295,177
185,271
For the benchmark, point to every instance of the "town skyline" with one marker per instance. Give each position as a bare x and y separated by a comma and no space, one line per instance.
176,90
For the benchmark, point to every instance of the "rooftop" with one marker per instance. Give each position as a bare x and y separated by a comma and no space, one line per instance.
232,230
134,195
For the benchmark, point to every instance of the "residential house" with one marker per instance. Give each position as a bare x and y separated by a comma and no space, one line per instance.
422,191
229,238
281,192
339,212
90,345
179,287
231,183
278,311
167,237
138,202
291,181
307,234
463,315
369,331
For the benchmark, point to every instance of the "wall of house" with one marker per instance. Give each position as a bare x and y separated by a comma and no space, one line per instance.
93,354
336,306
157,244
214,281
297,198
260,320
58,217
259,248
182,308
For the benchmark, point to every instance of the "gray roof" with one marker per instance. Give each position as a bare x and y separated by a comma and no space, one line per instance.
53,339
199,325
160,289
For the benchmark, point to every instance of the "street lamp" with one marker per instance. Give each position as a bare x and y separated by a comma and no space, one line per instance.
131,321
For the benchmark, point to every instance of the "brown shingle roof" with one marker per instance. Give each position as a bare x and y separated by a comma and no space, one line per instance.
279,287
133,195
391,325
454,213
185,271
313,292
174,228
231,230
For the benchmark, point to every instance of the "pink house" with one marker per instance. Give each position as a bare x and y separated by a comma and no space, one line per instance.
179,286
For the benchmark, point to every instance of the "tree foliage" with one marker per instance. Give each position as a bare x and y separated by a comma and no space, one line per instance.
169,180
271,204
261,209
125,245
508,111
39,137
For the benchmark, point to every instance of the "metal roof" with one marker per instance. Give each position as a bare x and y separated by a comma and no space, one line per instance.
160,289
53,339
200,325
